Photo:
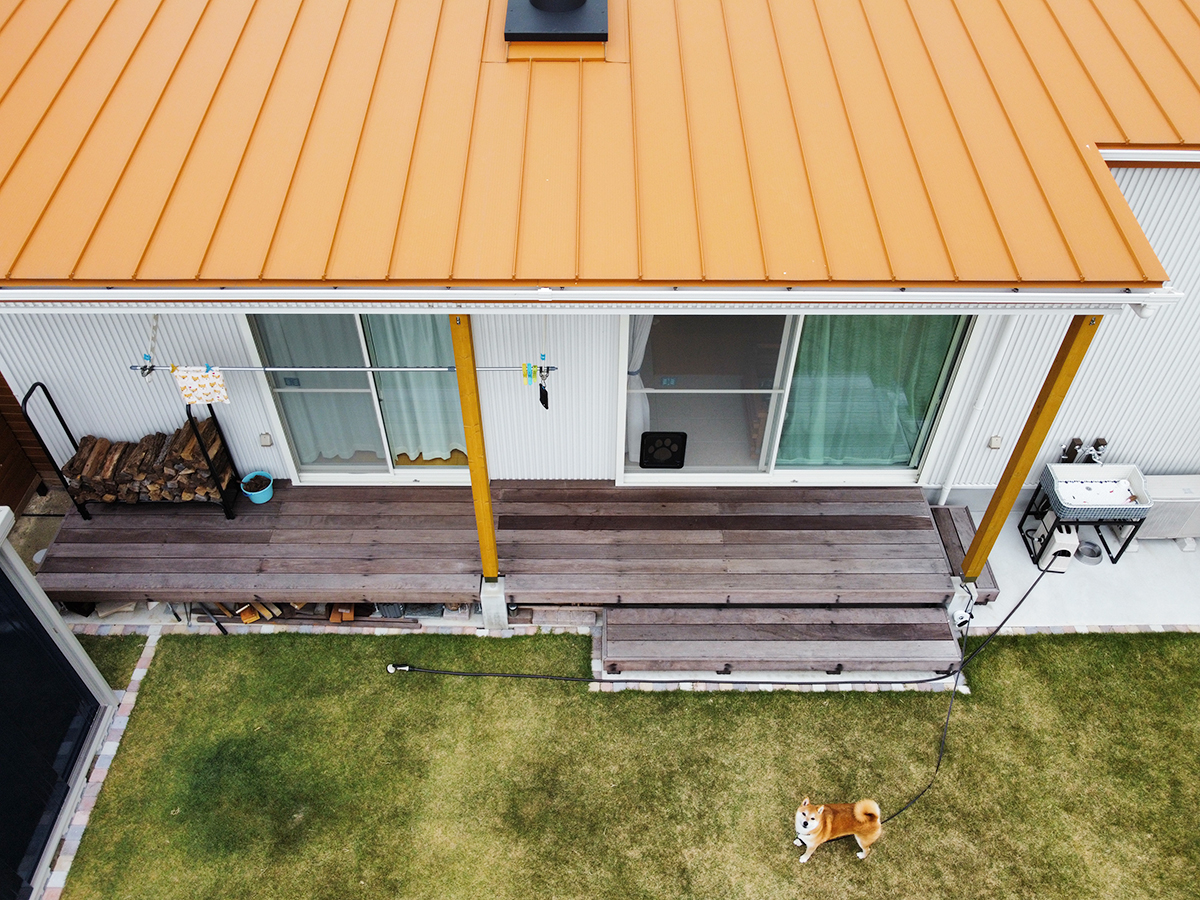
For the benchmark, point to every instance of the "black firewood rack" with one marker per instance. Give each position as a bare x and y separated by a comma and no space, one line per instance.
229,492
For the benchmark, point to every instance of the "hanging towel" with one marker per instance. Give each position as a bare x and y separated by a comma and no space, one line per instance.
200,384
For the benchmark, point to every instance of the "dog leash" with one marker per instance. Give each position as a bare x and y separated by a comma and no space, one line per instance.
957,675
393,668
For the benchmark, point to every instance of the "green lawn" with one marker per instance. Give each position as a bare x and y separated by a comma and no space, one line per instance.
114,655
293,766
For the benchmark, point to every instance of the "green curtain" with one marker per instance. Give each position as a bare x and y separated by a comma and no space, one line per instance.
863,387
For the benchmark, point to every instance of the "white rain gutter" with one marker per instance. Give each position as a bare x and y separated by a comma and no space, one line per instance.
985,391
575,300
1150,155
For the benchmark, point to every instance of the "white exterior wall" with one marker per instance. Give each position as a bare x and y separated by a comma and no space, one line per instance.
84,360
1137,385
576,436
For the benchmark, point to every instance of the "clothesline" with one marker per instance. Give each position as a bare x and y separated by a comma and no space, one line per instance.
146,370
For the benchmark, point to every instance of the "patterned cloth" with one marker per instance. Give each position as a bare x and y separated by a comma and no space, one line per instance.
200,384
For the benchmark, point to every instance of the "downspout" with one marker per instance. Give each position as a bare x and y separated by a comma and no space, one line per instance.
1054,390
985,391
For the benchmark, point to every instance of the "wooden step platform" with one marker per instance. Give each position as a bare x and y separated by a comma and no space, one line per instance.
571,543
730,640
957,530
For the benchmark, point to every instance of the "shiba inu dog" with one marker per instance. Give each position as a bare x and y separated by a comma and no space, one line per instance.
817,824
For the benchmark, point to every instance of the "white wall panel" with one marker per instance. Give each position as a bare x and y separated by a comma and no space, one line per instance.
576,436
84,360
1138,386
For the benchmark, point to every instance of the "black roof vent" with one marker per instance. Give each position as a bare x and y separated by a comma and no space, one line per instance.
556,20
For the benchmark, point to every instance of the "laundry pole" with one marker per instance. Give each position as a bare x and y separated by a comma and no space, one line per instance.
1054,390
468,396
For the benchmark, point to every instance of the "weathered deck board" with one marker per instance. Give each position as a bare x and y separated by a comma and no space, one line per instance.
559,543
957,529
736,546
313,544
737,639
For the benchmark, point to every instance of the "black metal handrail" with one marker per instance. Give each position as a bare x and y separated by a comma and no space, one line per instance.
41,443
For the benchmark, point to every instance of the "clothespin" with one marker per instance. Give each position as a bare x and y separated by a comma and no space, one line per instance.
207,368
173,368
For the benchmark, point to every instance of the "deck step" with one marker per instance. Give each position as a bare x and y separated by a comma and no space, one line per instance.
748,639
957,530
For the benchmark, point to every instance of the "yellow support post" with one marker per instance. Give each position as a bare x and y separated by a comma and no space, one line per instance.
1054,390
468,397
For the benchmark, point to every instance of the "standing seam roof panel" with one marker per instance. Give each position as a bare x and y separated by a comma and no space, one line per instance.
116,243
1155,59
724,193
1067,182
862,141
1133,105
607,193
1065,76
302,240
27,101
547,230
914,242
86,187
670,239
44,159
185,228
487,228
1012,190
424,243
22,30
251,215
788,225
965,219
842,200
362,245
1181,30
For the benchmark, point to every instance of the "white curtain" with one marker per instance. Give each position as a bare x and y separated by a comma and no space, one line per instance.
329,414
421,412
637,404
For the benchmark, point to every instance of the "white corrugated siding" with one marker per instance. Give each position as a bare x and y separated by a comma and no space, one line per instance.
84,360
576,436
1138,386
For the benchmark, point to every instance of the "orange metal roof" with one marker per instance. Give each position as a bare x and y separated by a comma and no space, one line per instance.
921,142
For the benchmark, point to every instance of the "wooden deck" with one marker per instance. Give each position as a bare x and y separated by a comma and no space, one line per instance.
692,578
561,542
323,544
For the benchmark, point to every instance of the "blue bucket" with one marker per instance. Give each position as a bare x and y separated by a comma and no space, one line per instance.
259,496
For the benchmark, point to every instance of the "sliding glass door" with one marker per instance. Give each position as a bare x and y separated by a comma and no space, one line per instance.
756,393
361,422
718,379
865,389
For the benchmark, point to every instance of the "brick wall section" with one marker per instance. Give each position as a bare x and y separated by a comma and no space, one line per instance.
10,412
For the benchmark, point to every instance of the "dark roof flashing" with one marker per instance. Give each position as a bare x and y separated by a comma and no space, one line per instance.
556,20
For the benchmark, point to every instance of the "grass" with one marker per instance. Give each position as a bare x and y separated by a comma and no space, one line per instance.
114,655
283,766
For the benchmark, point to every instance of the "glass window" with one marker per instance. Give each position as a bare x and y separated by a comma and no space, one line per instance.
421,412
364,421
866,389
715,378
330,416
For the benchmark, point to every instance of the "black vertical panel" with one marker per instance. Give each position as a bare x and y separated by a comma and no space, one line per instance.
46,712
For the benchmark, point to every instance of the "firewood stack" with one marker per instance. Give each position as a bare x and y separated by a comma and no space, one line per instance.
159,467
